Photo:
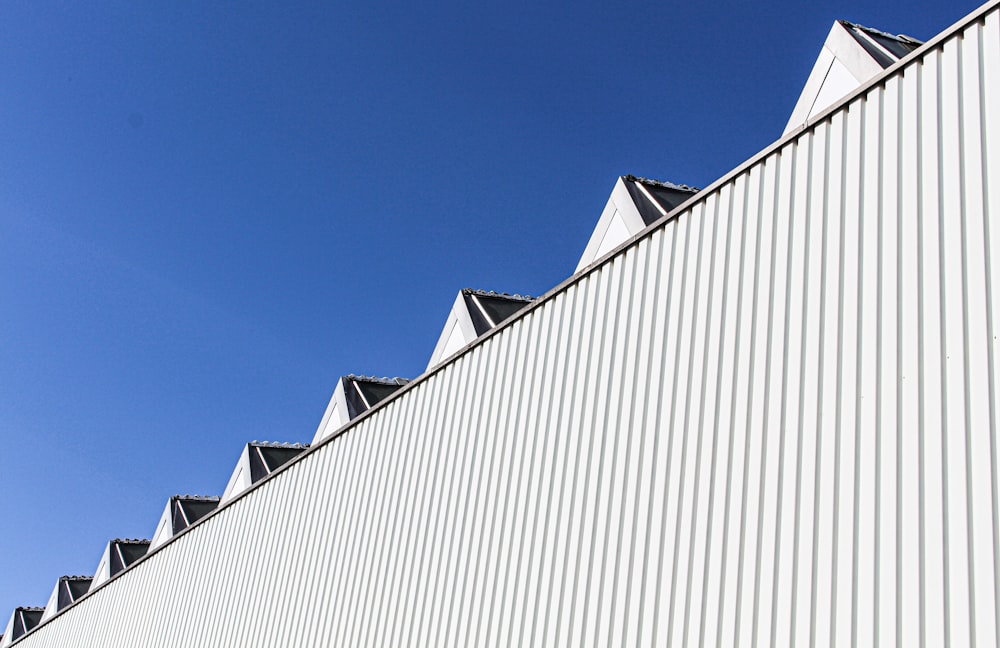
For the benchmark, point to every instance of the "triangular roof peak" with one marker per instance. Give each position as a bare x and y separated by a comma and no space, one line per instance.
258,460
181,512
851,56
634,204
352,397
67,590
473,313
119,554
22,621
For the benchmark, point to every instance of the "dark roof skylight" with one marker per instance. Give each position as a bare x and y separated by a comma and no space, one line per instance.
25,620
654,199
885,48
71,588
185,510
487,309
124,552
363,392
267,457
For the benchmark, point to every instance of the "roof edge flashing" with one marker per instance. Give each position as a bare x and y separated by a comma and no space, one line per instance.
660,183
903,38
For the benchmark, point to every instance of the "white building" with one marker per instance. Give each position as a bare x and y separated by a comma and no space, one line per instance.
766,417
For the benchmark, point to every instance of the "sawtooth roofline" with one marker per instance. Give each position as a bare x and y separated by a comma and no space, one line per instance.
684,208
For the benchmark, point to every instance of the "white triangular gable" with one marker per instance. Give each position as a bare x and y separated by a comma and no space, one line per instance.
164,528
842,66
458,332
103,571
53,605
8,634
335,416
241,478
619,222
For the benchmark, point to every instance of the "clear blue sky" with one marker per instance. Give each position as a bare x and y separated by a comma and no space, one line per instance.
209,211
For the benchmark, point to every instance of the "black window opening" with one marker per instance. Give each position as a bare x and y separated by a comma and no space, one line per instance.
124,553
185,511
362,394
487,310
897,46
656,199
266,459
70,589
25,620
873,50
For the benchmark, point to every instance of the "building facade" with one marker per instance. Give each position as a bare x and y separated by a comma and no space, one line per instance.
768,418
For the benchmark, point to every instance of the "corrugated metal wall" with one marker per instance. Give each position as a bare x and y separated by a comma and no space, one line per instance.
771,421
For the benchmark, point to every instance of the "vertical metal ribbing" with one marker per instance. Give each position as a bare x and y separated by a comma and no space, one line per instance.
438,523
719,490
766,494
931,584
422,481
523,478
494,376
516,456
526,610
784,249
595,530
635,520
771,421
291,565
411,483
702,349
662,323
668,426
722,218
842,222
988,58
966,468
506,457
361,472
469,541
982,565
392,432
798,631
827,397
809,472
304,558
544,541
463,398
497,422
700,344
399,502
355,464
583,398
796,310
953,554
751,432
687,427
618,421
555,537
682,420
726,602
463,540
866,432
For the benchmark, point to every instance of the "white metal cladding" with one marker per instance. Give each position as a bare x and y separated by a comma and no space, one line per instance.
772,420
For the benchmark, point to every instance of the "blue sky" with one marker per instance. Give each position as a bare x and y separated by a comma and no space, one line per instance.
209,211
